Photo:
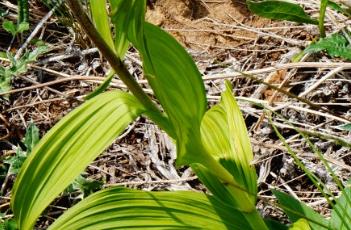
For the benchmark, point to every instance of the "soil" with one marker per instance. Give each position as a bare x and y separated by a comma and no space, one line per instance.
195,23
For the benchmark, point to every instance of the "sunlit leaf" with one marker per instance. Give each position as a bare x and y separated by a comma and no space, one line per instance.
120,208
301,224
180,90
128,18
280,10
65,151
297,210
224,134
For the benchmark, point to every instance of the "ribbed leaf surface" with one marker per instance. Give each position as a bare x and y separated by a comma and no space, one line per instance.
224,134
120,208
177,83
67,149
172,75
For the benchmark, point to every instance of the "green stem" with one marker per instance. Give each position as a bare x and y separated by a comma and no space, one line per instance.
116,63
322,10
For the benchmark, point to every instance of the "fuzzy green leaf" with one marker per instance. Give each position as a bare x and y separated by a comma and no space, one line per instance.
280,10
297,210
120,208
65,151
335,45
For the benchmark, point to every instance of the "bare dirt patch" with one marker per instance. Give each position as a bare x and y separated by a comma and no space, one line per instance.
197,23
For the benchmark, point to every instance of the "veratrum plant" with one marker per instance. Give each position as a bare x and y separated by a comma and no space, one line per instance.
214,142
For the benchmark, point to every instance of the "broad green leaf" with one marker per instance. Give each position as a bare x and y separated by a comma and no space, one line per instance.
120,208
101,20
297,210
341,214
301,224
67,149
180,90
31,138
335,45
224,134
280,10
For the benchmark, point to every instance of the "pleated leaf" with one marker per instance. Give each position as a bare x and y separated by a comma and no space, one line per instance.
297,210
224,134
67,149
177,83
171,73
120,208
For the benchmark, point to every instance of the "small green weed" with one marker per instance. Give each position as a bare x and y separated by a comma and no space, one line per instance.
18,66
336,45
30,140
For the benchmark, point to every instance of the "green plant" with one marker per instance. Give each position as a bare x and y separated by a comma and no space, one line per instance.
22,20
284,10
13,29
214,143
336,45
30,140
18,66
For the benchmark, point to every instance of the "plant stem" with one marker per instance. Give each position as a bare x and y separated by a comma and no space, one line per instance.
322,10
116,63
